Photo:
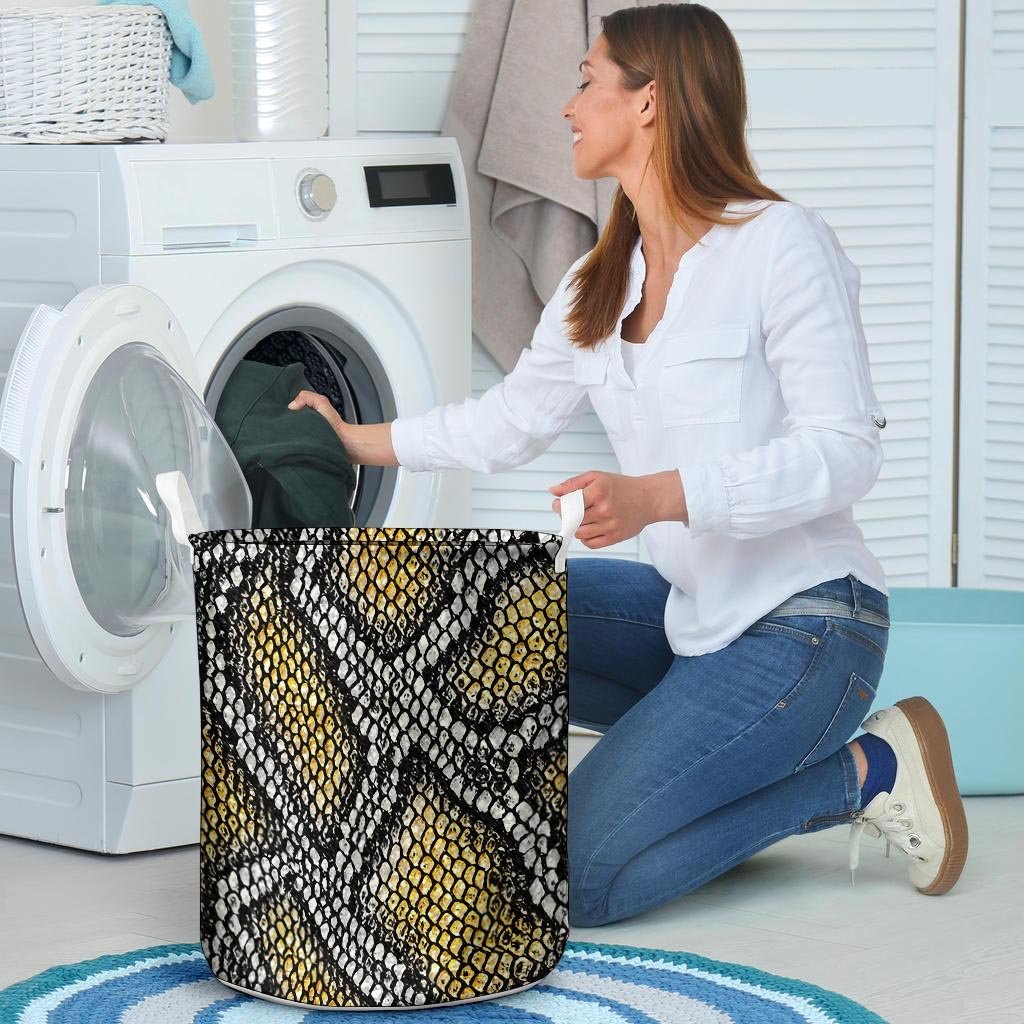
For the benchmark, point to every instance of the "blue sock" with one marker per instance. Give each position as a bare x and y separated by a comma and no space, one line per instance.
881,767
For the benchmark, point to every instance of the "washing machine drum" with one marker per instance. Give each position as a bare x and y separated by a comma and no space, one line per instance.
297,470
284,347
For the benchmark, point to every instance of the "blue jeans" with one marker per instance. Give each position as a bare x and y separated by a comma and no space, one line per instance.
705,760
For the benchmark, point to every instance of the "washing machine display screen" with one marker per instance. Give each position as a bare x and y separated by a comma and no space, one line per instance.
410,185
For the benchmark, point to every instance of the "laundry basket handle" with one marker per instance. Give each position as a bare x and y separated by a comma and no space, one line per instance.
571,506
174,490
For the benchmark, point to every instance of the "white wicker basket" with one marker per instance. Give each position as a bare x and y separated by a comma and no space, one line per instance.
83,74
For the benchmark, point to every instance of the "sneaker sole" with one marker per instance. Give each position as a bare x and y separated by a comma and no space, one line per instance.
938,762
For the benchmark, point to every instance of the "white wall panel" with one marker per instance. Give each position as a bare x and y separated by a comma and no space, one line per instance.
991,494
853,111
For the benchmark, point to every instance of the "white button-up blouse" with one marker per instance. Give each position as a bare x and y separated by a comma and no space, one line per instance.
755,387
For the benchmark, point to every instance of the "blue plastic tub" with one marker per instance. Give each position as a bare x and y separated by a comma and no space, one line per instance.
963,649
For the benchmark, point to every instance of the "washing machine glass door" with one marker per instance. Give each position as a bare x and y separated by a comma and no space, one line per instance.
101,399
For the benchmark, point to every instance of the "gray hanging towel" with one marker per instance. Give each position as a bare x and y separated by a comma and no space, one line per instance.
296,468
531,216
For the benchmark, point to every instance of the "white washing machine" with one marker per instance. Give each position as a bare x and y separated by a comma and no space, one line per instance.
133,279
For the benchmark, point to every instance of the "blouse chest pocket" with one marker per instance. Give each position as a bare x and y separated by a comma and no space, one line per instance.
702,377
590,370
590,365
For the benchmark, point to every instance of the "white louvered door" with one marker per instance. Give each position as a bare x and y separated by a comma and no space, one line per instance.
853,111
393,63
991,498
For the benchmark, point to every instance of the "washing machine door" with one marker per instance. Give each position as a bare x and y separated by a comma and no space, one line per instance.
101,400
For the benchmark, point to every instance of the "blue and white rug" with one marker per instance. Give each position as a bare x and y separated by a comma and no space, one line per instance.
594,983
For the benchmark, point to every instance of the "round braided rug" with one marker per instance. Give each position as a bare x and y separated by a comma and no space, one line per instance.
594,983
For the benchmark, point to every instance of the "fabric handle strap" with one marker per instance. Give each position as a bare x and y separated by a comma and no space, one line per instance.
174,491
571,506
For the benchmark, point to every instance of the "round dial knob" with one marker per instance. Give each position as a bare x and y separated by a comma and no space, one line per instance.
317,194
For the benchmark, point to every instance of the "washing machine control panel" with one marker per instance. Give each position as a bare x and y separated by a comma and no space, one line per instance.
209,197
317,194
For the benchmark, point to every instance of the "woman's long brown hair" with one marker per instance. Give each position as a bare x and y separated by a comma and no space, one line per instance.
699,152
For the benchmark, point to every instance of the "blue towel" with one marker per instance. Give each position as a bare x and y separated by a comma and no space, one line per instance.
190,66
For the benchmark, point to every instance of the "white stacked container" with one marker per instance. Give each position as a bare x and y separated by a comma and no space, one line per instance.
279,50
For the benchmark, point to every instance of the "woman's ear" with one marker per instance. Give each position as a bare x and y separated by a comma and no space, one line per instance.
648,102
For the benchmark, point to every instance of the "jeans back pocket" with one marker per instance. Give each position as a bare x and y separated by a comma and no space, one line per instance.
852,710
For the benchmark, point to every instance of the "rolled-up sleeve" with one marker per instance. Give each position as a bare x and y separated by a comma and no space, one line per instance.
512,422
831,454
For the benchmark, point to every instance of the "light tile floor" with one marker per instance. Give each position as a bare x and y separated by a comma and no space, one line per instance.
790,910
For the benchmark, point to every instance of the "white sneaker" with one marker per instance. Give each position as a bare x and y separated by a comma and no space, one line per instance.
924,814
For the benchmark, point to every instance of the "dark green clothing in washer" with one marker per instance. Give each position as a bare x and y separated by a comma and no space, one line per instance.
295,466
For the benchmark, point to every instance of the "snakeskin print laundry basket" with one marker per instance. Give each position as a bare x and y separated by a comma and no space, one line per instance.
384,719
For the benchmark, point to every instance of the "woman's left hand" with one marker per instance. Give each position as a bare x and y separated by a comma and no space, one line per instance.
617,507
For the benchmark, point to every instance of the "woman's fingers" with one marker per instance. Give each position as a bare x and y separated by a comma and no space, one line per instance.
304,398
321,403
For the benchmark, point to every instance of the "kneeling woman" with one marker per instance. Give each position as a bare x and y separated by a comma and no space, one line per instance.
715,328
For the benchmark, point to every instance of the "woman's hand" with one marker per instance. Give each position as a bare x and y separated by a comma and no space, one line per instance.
365,444
617,507
322,404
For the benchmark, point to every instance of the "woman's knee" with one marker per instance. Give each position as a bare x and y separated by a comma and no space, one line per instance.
584,915
588,893
588,907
